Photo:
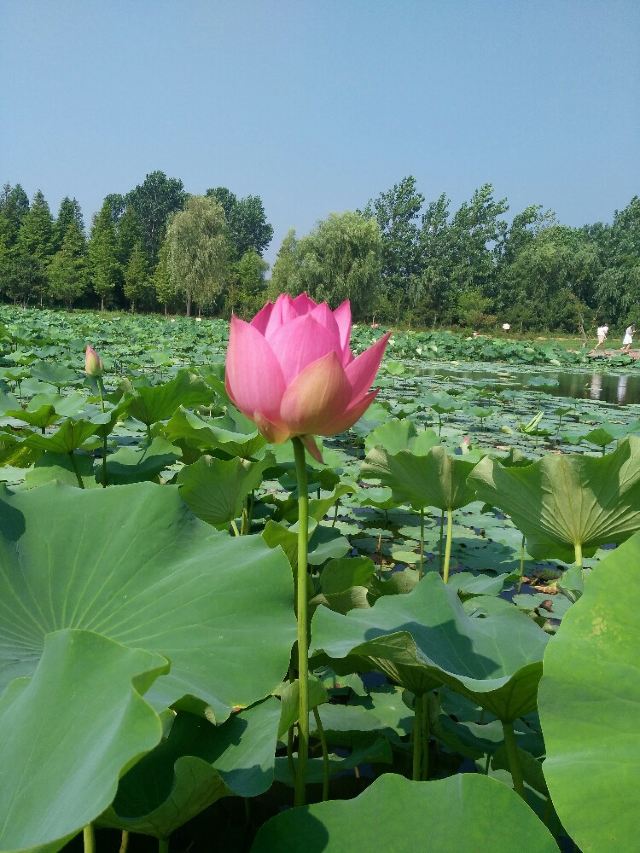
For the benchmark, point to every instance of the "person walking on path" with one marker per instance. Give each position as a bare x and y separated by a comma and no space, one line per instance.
601,332
628,338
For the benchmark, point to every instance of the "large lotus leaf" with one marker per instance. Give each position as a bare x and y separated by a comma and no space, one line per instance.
396,435
134,464
71,435
153,403
216,434
54,374
134,564
215,489
64,468
466,812
425,638
197,764
562,501
40,417
69,732
432,479
590,707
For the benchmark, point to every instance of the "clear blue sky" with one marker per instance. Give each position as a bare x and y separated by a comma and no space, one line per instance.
317,105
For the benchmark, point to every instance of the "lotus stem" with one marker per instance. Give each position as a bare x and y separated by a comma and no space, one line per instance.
512,757
234,527
74,465
447,548
578,553
422,542
325,755
163,845
426,728
521,565
89,839
420,725
441,540
301,614
124,841
104,438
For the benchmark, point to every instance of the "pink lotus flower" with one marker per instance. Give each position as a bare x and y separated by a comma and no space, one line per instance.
92,362
290,370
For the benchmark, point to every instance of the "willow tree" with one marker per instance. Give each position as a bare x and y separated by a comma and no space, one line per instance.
198,252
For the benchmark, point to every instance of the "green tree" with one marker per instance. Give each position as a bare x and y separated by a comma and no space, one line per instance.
153,201
103,256
246,221
69,212
284,276
164,287
14,205
136,276
476,234
198,252
68,270
340,259
246,291
35,241
128,233
397,212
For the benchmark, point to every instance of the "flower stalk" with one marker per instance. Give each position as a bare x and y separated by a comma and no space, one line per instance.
302,618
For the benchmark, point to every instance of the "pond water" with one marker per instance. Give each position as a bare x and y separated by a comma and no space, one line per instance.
620,389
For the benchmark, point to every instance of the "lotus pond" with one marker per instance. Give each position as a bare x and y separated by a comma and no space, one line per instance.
473,556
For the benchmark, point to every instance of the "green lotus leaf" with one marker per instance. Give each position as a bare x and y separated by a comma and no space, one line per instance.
71,435
133,563
435,479
590,707
396,435
401,816
54,374
137,463
64,469
70,731
215,489
216,434
152,403
425,638
41,417
567,504
195,765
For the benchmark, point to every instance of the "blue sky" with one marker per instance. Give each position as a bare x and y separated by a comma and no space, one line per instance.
317,105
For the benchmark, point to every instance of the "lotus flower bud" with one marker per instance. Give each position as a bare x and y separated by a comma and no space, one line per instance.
292,372
92,362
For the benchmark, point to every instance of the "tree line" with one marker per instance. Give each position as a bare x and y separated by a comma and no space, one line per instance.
156,247
400,259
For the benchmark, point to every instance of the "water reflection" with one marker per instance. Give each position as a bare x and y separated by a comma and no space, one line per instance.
622,389
605,387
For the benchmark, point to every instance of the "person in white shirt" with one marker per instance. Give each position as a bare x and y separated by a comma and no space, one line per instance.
628,338
601,332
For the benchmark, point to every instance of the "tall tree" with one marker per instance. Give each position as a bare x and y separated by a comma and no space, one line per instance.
340,259
36,241
136,276
246,289
198,252
284,276
14,205
69,212
128,233
163,284
246,221
103,256
153,201
397,212
68,270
